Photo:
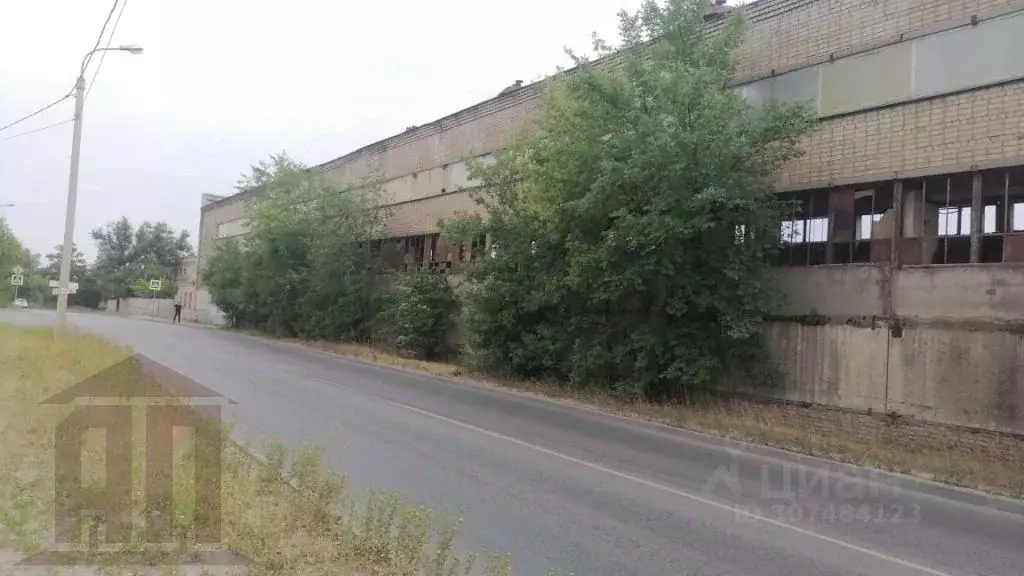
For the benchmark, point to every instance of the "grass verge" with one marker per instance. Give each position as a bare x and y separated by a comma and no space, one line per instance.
284,512
941,455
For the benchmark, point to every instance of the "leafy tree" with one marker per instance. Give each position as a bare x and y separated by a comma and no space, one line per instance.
417,313
126,254
306,267
140,289
224,275
79,267
158,243
11,253
631,230
88,295
267,172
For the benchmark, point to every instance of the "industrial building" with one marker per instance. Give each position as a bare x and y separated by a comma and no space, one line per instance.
905,267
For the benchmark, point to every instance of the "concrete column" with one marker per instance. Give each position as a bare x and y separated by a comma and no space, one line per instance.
897,220
977,218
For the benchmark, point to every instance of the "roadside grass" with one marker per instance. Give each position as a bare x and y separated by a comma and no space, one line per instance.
940,458
282,511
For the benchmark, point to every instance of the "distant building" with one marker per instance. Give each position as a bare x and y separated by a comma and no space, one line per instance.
903,266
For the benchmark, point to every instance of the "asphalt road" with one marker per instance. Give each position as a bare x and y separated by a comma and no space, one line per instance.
565,488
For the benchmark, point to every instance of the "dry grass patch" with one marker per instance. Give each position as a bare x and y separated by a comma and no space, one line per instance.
284,512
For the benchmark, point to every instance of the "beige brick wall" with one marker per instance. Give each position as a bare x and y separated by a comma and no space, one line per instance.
966,128
787,33
467,134
959,130
212,216
421,216
782,34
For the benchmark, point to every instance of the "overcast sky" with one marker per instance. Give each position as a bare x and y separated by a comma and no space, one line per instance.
224,83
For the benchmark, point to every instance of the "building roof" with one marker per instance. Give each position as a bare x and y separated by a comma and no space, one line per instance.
510,96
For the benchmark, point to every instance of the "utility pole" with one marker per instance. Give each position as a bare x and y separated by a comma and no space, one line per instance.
69,218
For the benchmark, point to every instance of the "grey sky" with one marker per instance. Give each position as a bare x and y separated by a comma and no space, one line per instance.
223,83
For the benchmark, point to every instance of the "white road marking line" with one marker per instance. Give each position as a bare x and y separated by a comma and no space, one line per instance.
675,491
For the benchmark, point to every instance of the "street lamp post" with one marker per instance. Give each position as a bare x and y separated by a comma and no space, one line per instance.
69,219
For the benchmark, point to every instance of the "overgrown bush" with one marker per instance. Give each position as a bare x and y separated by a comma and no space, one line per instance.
417,313
305,268
632,229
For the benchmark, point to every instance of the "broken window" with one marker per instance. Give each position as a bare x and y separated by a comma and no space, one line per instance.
950,197
804,230
862,224
477,247
414,250
1002,194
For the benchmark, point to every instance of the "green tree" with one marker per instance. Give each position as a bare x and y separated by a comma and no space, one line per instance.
79,267
11,253
126,254
88,295
417,313
224,275
631,230
307,267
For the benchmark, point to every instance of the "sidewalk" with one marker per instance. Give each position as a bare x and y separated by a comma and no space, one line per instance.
166,321
149,318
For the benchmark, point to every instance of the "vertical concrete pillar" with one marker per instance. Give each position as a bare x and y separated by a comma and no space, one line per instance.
897,222
977,218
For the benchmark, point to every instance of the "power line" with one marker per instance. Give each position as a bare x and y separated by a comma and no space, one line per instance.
47,127
69,92
99,39
37,112
103,55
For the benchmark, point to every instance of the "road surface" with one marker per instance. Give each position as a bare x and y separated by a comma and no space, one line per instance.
565,488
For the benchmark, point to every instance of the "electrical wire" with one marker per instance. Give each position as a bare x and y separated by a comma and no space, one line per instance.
99,39
37,112
69,92
103,55
47,127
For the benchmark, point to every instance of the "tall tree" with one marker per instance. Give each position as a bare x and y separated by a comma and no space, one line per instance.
126,254
305,267
79,267
157,243
11,253
632,229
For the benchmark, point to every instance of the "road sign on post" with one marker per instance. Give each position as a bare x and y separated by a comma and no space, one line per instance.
154,285
17,280
18,271
72,288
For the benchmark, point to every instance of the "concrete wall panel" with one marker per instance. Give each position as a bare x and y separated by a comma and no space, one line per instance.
867,80
836,365
959,377
831,290
786,33
971,293
969,56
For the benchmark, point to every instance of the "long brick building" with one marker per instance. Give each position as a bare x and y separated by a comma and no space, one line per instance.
905,267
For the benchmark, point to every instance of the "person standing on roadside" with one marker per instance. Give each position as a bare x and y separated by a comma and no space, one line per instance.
177,312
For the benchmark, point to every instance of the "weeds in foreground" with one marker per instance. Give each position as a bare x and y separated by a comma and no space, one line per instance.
284,512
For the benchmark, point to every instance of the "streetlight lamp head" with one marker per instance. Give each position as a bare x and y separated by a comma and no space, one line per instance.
131,48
